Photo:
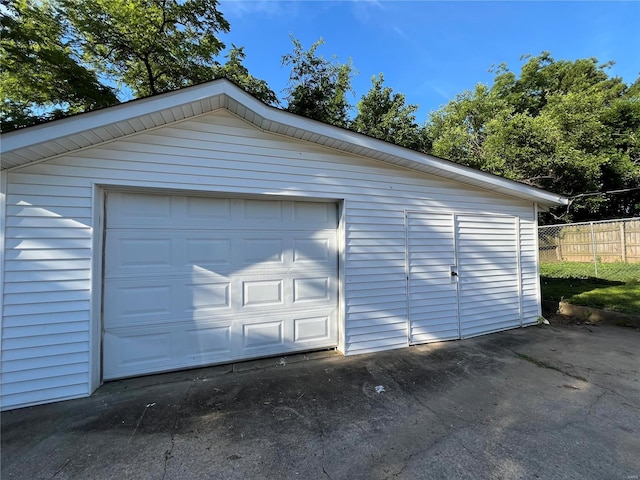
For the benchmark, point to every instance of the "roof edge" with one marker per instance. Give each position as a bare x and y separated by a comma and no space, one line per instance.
83,122
267,118
359,140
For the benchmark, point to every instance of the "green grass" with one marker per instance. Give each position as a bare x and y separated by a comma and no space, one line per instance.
618,271
617,288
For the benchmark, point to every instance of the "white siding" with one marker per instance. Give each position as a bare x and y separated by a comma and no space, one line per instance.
530,301
50,228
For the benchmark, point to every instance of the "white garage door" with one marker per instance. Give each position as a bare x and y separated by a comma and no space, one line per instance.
192,281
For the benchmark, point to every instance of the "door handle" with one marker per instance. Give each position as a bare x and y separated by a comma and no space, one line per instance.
454,274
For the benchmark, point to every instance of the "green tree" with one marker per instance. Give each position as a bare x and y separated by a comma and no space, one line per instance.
385,115
41,76
152,46
52,49
235,71
566,126
318,88
458,130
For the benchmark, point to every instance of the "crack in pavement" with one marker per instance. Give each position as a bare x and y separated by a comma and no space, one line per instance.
321,432
543,364
168,454
419,452
598,398
613,392
62,467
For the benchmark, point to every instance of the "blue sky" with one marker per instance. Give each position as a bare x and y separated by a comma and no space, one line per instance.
431,51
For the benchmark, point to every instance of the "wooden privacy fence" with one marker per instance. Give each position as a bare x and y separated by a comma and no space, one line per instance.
600,242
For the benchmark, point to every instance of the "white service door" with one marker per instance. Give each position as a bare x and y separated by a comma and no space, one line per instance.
463,275
488,274
191,281
433,301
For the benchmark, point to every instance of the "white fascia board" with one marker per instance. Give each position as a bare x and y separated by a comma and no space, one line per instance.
28,137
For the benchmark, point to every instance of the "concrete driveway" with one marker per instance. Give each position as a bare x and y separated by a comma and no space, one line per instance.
552,402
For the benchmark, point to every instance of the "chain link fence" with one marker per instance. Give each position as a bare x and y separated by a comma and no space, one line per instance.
608,250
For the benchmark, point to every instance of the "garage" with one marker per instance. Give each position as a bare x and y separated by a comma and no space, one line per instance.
193,280
202,227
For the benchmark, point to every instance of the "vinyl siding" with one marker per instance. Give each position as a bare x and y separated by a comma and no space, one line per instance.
530,303
49,235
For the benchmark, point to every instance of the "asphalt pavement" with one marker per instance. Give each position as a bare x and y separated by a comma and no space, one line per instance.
549,402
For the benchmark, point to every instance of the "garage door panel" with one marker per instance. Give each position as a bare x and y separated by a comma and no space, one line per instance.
263,335
262,293
145,301
206,296
315,214
221,280
293,330
142,300
136,352
130,209
205,250
205,343
145,252
303,291
263,250
311,329
261,212
154,211
202,209
318,250
153,349
131,254
311,289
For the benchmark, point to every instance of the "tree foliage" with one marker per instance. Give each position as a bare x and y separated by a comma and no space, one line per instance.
318,88
385,115
152,46
566,126
54,50
235,71
41,76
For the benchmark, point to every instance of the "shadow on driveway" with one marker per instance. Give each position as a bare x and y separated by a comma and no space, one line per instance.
552,402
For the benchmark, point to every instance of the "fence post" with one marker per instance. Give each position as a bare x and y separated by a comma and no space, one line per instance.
593,248
623,243
559,245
